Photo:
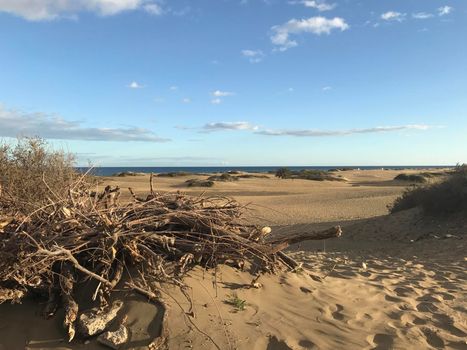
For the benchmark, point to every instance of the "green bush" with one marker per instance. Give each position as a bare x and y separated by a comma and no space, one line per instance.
225,177
199,183
283,173
418,178
448,196
307,174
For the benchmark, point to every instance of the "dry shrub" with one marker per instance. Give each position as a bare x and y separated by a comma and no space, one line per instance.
448,196
31,173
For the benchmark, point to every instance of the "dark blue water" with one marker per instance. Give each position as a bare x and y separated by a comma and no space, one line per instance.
108,171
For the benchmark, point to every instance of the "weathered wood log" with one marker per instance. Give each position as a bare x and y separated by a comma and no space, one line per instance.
292,263
71,307
294,238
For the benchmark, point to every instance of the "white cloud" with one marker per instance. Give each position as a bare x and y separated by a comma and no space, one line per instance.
135,85
186,100
173,88
393,16
247,126
219,93
322,133
327,88
154,9
422,15
40,10
254,56
15,123
444,10
319,5
315,25
210,127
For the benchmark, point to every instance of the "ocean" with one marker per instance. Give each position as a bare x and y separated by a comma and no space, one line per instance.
108,171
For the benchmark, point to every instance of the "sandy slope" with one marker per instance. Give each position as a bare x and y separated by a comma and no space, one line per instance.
391,282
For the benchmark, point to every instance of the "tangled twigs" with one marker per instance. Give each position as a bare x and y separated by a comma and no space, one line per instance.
88,235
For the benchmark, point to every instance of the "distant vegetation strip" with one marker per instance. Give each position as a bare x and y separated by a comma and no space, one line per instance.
315,175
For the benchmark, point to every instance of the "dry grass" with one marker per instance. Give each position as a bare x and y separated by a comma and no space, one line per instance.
31,174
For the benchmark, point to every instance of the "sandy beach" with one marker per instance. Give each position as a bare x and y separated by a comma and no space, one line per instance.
390,282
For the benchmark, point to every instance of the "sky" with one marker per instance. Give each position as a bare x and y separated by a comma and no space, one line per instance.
238,82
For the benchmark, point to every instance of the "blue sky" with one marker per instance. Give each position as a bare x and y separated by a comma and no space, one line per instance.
232,82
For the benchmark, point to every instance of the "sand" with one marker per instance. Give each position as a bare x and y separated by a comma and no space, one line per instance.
390,282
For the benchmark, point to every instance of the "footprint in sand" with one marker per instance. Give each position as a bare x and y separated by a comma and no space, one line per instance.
426,307
276,344
403,291
447,296
307,344
337,315
445,322
432,338
383,341
392,299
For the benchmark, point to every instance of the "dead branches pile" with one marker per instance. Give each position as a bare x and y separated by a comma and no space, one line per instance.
92,236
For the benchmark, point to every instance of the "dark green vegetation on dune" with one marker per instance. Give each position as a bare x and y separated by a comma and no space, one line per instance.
128,173
441,198
225,177
420,177
315,175
199,183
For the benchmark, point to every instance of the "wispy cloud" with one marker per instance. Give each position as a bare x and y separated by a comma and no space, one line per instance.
318,5
135,85
154,9
186,100
445,10
15,123
327,88
254,56
40,10
173,88
314,25
422,15
220,126
323,133
393,16
217,94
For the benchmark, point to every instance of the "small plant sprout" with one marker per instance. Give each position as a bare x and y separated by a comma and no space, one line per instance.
236,302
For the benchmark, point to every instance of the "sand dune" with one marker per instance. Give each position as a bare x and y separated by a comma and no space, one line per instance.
391,282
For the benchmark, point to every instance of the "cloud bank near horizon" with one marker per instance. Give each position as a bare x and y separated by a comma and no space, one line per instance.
14,123
247,126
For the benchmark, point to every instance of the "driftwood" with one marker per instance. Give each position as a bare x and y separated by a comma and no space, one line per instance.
295,238
90,235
